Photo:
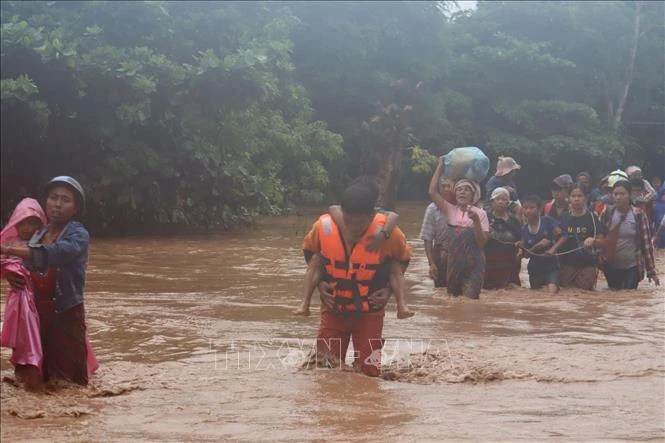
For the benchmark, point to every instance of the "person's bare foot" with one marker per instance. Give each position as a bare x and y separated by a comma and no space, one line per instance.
301,311
405,313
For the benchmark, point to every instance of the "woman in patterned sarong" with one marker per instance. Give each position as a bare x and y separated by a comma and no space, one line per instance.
502,266
466,235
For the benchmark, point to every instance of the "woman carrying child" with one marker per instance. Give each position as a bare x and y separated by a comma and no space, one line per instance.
57,256
465,237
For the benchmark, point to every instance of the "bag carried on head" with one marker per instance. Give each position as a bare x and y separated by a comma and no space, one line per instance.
469,162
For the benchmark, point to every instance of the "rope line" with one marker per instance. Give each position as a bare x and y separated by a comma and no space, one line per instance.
595,232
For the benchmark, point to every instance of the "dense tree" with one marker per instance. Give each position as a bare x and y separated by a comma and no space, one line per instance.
163,117
209,113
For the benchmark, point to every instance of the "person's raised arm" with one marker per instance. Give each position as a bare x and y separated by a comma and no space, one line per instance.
433,190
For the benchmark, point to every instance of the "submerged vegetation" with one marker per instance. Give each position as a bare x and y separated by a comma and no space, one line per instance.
210,113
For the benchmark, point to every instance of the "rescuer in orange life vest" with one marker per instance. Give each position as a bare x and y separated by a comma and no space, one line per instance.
354,282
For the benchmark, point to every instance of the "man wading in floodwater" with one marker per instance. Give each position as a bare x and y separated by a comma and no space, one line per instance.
354,287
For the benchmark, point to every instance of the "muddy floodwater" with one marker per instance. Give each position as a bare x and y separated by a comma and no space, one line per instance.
196,341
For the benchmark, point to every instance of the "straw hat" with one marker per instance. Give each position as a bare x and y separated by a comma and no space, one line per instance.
505,165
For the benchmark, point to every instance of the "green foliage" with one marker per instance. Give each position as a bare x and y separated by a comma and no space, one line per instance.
422,162
170,113
211,113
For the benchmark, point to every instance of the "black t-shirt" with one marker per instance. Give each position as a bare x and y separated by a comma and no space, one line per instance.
578,229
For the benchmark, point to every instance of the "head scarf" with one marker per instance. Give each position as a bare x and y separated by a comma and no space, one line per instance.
500,192
28,207
475,187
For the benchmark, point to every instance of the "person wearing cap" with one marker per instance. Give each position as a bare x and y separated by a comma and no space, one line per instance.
57,256
504,177
465,237
558,207
502,267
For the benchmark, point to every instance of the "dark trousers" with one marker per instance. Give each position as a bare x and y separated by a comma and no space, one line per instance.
622,278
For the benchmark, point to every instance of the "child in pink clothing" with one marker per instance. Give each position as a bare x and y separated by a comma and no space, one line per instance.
20,328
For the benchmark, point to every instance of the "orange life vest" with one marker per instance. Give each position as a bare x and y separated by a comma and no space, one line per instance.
350,276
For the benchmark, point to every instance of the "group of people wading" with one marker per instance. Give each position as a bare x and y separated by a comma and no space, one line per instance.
357,255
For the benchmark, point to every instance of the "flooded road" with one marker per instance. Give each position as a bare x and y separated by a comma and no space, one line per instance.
196,342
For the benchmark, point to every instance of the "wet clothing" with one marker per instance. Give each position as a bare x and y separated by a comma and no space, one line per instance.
539,279
578,229
365,329
62,334
58,276
625,256
336,332
432,231
622,278
20,328
578,277
579,268
466,262
546,229
642,246
69,254
501,265
440,256
351,274
433,226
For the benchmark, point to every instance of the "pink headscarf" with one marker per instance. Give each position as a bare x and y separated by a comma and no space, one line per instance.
28,207
475,187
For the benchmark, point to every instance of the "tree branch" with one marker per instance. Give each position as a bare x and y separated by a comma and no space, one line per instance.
631,68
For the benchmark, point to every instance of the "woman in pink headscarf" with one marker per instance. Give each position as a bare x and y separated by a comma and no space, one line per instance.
466,236
20,328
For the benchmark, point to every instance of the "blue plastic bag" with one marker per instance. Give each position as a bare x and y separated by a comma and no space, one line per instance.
468,162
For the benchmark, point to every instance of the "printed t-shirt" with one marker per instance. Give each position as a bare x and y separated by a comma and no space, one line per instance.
578,229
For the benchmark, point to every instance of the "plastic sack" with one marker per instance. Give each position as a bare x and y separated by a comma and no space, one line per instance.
469,162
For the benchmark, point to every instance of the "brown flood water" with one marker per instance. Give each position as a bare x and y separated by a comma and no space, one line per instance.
196,342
